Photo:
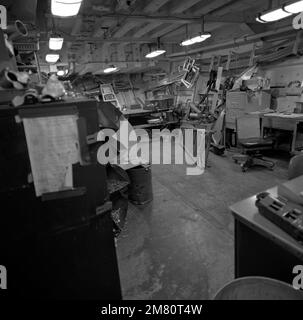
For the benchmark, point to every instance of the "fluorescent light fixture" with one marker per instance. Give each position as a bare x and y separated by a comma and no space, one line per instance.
155,53
55,43
110,69
60,73
65,8
295,7
52,58
259,20
187,42
202,37
273,15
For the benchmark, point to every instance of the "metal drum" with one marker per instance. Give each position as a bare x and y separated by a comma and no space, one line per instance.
140,189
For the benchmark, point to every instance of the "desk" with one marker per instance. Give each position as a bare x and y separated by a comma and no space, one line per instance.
283,122
261,247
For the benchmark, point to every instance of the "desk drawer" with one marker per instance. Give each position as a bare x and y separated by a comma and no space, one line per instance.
278,124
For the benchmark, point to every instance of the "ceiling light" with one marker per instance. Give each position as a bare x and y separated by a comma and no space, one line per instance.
295,7
65,8
155,53
202,37
60,73
110,69
187,42
259,20
55,43
273,15
52,58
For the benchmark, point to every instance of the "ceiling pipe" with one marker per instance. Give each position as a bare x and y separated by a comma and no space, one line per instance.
235,42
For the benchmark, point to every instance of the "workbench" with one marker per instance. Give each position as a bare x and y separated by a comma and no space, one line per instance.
261,247
138,118
287,122
141,112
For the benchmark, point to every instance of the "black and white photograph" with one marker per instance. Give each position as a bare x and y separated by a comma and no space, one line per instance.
151,154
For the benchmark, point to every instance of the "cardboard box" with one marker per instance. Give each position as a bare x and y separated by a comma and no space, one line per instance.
299,107
239,103
293,91
278,92
287,103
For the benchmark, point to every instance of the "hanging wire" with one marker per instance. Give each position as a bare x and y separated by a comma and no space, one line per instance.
202,25
54,31
186,31
158,43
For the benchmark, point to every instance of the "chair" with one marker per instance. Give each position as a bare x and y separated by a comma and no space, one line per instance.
251,142
295,168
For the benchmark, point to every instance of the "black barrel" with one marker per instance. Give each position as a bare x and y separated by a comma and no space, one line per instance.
140,189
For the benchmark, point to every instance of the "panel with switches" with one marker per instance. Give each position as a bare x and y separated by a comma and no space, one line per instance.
282,213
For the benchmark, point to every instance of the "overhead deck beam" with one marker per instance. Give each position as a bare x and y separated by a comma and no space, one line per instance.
124,29
176,19
164,31
182,6
155,5
149,17
177,9
126,26
147,28
205,9
213,5
81,40
238,5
